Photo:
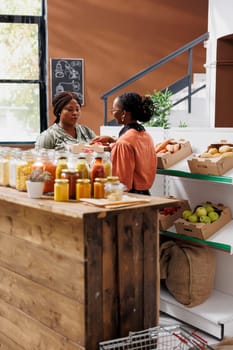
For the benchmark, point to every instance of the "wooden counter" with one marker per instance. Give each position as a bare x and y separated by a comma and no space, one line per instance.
72,275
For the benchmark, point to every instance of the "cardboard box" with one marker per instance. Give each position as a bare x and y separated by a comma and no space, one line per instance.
211,166
202,230
166,160
168,219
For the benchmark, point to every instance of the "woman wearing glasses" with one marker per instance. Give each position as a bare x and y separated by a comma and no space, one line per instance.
133,155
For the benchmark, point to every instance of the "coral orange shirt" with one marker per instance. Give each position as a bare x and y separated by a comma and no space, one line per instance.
134,160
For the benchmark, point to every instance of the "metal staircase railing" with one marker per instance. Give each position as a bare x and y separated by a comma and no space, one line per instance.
175,87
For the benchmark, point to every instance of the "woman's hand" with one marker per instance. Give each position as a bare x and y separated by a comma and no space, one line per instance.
105,140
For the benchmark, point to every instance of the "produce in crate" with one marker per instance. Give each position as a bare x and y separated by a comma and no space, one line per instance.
205,213
167,146
215,152
217,159
203,226
171,151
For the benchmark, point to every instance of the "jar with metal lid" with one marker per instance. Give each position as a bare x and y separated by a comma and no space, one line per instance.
107,164
46,159
112,179
83,166
114,190
83,188
61,163
5,155
98,167
14,161
72,175
99,187
61,190
24,169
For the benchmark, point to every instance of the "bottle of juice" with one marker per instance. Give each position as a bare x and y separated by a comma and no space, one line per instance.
62,163
98,167
107,164
82,166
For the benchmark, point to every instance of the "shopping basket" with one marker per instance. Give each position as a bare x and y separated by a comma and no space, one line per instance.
158,338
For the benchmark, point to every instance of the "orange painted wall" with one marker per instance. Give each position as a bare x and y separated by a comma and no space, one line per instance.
118,38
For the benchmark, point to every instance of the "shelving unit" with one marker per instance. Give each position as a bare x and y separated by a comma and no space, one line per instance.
223,239
215,315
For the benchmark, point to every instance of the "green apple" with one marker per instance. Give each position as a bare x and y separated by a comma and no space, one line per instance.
201,211
208,207
186,213
213,216
205,219
193,218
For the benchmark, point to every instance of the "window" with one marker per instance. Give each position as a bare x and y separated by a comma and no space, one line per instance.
23,93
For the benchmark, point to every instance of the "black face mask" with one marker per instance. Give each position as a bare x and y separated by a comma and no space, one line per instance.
134,126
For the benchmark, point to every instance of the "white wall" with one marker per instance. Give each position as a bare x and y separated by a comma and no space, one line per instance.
220,23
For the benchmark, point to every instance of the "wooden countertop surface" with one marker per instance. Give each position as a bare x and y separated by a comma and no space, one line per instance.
74,208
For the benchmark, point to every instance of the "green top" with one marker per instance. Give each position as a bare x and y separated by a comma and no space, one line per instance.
56,138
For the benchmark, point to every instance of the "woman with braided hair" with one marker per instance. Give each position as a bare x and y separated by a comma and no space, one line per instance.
65,130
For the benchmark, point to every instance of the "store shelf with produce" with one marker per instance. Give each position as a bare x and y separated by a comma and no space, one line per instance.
221,240
181,170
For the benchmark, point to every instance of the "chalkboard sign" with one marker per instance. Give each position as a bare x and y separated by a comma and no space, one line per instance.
67,75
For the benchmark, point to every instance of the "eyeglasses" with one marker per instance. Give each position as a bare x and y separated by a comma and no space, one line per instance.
115,110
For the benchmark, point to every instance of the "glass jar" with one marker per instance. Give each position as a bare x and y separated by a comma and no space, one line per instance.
61,190
24,169
82,166
83,188
62,163
14,161
114,190
99,187
45,162
107,164
5,154
98,167
72,175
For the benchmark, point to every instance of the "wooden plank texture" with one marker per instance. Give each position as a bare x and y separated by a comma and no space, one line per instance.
62,314
72,275
30,334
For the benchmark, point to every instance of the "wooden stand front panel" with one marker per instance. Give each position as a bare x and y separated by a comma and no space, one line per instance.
122,274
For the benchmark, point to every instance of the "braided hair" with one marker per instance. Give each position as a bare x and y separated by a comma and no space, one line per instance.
61,100
140,107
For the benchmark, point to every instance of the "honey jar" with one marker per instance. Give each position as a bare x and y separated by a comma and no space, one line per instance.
83,188
61,190
99,187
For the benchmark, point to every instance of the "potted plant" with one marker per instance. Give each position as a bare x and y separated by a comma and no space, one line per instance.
162,106
35,182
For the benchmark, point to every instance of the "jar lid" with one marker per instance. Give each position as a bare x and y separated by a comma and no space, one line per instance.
83,181
62,181
113,179
72,171
100,179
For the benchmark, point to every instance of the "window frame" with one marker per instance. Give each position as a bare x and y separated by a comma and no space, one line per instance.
42,59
